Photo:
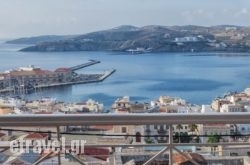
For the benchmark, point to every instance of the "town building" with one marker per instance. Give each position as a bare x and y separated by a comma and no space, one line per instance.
89,106
186,39
232,108
214,129
33,76
217,103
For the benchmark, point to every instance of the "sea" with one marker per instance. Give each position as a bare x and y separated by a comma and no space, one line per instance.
196,77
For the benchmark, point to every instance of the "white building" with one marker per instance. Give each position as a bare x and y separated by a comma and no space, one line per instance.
186,39
243,129
207,109
214,129
90,105
156,133
232,108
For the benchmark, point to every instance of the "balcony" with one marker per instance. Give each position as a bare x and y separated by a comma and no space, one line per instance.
147,130
168,150
162,131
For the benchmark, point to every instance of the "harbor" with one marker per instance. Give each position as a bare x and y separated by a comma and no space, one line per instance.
25,80
83,79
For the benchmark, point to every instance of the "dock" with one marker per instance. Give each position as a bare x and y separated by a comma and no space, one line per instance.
91,62
107,74
97,78
28,84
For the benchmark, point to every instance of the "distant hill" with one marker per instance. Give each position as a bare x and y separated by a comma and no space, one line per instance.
152,38
126,28
39,39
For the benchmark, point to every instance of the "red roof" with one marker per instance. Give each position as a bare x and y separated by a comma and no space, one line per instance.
36,136
2,134
31,73
163,109
179,159
42,72
100,153
63,70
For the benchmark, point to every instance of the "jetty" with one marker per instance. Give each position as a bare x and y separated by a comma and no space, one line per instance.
84,79
91,62
29,79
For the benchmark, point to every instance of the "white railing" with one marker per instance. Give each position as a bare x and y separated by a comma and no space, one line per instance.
131,119
124,119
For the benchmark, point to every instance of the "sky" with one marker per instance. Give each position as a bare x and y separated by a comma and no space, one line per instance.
25,18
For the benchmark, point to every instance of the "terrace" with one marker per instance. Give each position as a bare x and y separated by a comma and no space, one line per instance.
168,150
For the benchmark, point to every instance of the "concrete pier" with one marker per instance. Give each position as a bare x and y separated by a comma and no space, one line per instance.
98,78
33,79
91,62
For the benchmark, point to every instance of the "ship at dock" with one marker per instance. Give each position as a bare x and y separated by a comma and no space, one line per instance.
25,80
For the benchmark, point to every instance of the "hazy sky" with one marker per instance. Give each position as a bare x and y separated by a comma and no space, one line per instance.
38,17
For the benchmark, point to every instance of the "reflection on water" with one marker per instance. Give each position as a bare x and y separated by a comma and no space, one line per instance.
187,85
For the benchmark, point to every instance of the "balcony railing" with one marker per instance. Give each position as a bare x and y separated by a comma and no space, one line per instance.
162,131
131,119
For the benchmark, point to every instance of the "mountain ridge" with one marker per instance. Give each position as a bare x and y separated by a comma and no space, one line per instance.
153,38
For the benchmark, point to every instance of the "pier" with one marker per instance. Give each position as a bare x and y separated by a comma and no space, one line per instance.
29,79
107,74
91,62
84,79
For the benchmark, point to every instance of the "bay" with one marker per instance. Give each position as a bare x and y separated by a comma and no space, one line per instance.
196,77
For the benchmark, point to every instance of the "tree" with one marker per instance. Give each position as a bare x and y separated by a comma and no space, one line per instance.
176,137
179,127
213,139
185,138
193,128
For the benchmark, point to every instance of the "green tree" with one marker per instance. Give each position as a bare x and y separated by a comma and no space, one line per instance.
213,139
185,138
175,138
193,128
179,127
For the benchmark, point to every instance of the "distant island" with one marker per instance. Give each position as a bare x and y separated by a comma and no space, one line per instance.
153,38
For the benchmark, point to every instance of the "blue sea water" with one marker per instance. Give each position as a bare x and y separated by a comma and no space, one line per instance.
196,77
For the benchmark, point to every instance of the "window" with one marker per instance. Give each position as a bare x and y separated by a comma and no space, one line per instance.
124,130
138,137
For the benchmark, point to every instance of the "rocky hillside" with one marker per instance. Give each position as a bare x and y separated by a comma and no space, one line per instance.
226,38
39,39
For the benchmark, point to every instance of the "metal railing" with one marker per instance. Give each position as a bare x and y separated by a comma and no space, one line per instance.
131,119
124,119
